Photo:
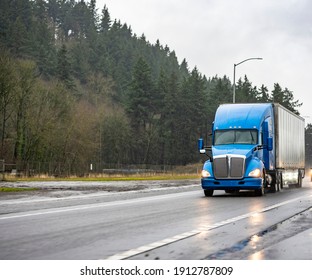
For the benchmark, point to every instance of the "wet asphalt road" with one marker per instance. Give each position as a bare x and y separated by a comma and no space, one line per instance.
153,220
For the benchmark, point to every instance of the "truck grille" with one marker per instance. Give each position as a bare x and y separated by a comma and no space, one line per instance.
229,167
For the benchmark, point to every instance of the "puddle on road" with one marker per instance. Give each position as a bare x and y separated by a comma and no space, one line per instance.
268,237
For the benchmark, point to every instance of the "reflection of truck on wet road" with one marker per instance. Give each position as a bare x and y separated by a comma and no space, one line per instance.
254,147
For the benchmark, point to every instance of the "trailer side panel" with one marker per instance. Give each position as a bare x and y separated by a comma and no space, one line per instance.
289,139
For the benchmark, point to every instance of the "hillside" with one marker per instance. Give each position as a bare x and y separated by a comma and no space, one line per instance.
78,88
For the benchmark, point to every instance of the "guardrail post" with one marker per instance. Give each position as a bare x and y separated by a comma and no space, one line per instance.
2,166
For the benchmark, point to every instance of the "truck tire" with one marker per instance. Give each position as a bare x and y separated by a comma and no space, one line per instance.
277,183
260,192
299,184
208,193
280,180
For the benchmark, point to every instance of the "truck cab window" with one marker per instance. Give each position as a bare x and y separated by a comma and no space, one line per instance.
236,136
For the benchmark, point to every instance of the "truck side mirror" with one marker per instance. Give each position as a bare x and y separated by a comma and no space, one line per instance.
200,144
270,143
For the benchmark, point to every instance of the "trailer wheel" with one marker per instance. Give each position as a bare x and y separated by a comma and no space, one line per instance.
280,180
299,185
280,183
208,193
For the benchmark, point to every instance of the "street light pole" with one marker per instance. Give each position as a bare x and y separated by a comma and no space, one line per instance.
252,58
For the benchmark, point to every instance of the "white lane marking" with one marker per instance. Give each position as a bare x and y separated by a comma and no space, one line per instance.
97,205
157,244
92,195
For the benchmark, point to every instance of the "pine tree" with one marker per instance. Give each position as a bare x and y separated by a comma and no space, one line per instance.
219,91
169,134
64,70
140,99
285,97
245,92
140,109
105,20
263,94
26,81
8,89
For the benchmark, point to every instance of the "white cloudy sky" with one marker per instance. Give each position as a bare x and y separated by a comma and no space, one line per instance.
215,34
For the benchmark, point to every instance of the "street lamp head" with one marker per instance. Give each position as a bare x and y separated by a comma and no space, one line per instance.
252,58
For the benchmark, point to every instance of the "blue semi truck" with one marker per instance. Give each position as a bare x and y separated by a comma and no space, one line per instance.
254,147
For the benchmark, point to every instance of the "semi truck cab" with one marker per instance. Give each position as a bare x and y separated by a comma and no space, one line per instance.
243,152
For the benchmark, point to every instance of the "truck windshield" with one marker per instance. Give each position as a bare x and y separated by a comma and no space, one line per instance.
235,136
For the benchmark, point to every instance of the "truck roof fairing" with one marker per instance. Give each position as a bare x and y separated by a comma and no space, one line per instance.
242,116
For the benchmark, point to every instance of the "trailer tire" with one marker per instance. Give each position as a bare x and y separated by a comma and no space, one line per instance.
208,193
299,185
280,180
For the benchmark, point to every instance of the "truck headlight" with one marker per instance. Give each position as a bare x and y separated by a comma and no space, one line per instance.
205,174
255,173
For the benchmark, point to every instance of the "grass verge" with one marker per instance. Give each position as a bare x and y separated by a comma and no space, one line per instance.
136,177
10,189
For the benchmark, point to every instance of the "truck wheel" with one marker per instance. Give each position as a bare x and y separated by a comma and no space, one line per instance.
276,183
299,185
208,192
260,192
280,181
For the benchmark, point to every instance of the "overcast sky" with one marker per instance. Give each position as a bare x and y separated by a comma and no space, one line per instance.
215,34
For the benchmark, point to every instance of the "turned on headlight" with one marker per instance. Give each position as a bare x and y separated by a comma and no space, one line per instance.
205,174
255,173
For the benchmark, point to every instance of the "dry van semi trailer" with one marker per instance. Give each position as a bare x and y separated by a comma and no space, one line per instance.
254,147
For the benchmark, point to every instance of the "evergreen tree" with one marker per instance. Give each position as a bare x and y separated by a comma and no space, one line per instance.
263,94
8,89
41,41
140,107
105,20
219,91
192,112
245,92
277,94
184,69
23,102
64,71
285,98
141,99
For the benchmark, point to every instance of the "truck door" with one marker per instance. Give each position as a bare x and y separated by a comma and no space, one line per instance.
268,153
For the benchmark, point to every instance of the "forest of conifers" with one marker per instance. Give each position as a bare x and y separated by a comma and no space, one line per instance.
78,88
